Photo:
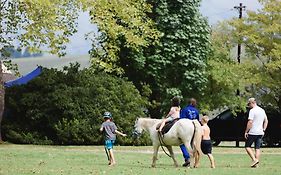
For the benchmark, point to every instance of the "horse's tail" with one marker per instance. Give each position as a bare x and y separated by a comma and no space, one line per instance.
197,137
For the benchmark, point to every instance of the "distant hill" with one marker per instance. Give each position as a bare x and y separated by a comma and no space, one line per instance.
20,53
27,65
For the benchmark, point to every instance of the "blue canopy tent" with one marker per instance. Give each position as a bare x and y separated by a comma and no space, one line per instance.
24,79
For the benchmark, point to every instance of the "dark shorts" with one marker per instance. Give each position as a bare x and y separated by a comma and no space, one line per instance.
206,146
254,138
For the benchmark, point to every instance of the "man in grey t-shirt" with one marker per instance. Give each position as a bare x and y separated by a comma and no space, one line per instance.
257,124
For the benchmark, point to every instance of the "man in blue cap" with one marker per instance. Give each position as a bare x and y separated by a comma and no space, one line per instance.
189,112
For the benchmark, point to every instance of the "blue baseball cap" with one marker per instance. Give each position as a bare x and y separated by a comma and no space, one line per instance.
107,115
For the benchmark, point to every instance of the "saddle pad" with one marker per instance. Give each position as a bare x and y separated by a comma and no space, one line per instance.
167,126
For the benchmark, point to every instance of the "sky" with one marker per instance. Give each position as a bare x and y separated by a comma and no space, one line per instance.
214,10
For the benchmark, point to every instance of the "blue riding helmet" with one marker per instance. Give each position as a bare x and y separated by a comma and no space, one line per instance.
107,115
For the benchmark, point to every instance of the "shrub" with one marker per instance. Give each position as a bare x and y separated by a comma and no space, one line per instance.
66,107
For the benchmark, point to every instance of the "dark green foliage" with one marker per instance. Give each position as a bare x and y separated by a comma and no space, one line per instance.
177,64
66,107
174,64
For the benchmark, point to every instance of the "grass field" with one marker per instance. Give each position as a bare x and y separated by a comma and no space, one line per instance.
80,160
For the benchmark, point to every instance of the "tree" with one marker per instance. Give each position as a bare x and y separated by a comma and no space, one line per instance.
260,33
225,74
178,62
175,63
35,24
117,20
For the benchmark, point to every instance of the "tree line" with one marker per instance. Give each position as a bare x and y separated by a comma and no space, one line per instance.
164,47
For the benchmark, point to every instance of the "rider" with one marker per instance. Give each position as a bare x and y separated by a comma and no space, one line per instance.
173,114
189,112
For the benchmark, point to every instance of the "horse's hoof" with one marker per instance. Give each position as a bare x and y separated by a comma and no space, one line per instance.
152,166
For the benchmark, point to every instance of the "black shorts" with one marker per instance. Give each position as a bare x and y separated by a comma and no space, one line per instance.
206,146
254,138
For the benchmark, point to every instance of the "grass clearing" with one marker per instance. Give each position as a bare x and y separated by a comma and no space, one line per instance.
48,160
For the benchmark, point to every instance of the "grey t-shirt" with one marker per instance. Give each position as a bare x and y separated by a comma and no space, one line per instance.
109,130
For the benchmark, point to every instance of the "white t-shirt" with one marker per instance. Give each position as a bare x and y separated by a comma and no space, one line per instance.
257,114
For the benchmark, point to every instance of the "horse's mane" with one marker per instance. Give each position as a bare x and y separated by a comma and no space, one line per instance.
149,121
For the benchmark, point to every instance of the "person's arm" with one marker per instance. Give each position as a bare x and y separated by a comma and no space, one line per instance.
249,126
183,113
265,123
120,133
249,123
101,128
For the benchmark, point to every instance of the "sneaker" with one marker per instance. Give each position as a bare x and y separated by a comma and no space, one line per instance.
186,164
256,162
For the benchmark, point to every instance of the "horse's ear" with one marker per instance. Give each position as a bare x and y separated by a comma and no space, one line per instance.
136,120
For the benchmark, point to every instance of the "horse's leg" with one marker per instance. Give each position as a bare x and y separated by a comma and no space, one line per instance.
197,143
197,157
156,148
170,149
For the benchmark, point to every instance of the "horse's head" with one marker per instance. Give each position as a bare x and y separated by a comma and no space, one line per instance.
137,128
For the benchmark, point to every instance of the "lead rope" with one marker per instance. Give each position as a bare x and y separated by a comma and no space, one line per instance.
162,143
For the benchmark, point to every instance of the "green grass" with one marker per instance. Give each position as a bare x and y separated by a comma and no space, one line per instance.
68,160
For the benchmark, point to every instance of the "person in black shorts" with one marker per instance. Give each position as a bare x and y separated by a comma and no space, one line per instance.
206,144
256,126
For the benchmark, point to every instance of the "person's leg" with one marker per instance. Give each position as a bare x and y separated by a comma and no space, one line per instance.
257,154
248,145
112,159
250,153
106,148
110,150
212,160
257,149
186,155
162,125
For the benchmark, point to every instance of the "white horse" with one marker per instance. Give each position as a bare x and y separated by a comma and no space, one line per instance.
184,131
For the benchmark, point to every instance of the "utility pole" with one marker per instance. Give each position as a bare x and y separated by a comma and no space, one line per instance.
2,97
240,8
